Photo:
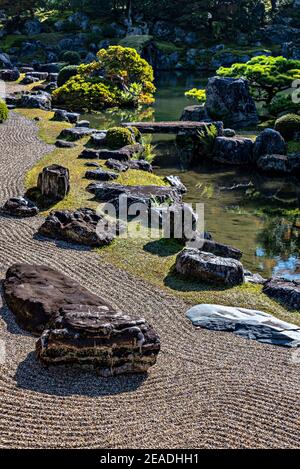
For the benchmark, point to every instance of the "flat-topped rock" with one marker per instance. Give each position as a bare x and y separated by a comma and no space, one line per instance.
219,249
19,207
246,323
79,327
105,192
100,175
62,115
274,164
233,150
169,127
123,154
208,268
83,226
285,291
75,133
65,144
108,340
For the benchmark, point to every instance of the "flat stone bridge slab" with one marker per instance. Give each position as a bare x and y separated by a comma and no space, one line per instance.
172,127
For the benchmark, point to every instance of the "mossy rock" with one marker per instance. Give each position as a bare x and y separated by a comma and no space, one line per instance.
118,137
3,111
288,125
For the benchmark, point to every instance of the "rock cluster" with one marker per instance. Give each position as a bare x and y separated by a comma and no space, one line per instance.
83,227
77,326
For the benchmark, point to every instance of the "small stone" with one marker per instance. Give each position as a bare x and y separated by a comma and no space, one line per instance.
100,175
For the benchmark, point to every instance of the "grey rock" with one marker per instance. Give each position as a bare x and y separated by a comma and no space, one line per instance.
75,133
19,207
229,133
208,268
9,75
64,116
100,175
83,123
175,182
285,291
195,113
235,150
54,182
246,323
32,26
229,100
269,142
39,100
64,144
274,164
84,226
218,249
116,165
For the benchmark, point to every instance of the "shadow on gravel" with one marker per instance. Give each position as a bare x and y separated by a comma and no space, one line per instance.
72,381
61,244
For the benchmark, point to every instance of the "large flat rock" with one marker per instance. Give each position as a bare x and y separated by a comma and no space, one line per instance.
77,326
246,323
105,192
206,267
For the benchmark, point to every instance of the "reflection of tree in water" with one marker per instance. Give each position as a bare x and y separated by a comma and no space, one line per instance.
112,117
280,237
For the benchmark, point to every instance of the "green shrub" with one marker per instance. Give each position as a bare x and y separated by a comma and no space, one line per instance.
72,57
66,73
118,137
3,111
288,125
120,78
283,104
198,95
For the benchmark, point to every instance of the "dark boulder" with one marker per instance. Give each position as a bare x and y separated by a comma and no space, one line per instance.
208,268
123,154
269,142
89,153
19,207
285,291
105,192
64,144
100,175
141,165
195,113
229,100
75,133
10,74
81,328
64,116
235,150
39,100
98,139
116,165
83,226
274,164
54,182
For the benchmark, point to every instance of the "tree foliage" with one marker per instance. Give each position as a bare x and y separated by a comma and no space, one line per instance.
267,75
120,78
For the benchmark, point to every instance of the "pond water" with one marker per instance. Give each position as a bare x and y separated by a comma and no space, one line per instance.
254,213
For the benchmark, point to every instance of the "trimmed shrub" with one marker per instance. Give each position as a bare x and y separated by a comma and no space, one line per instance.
120,78
118,137
66,73
288,125
72,57
3,111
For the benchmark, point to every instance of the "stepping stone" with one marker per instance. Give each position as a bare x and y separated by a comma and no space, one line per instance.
98,139
285,291
90,154
65,144
19,207
247,323
82,226
208,268
233,150
100,175
82,124
77,326
105,192
116,165
75,133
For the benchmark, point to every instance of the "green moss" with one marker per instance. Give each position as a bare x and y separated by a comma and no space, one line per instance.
288,125
167,47
118,137
293,147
